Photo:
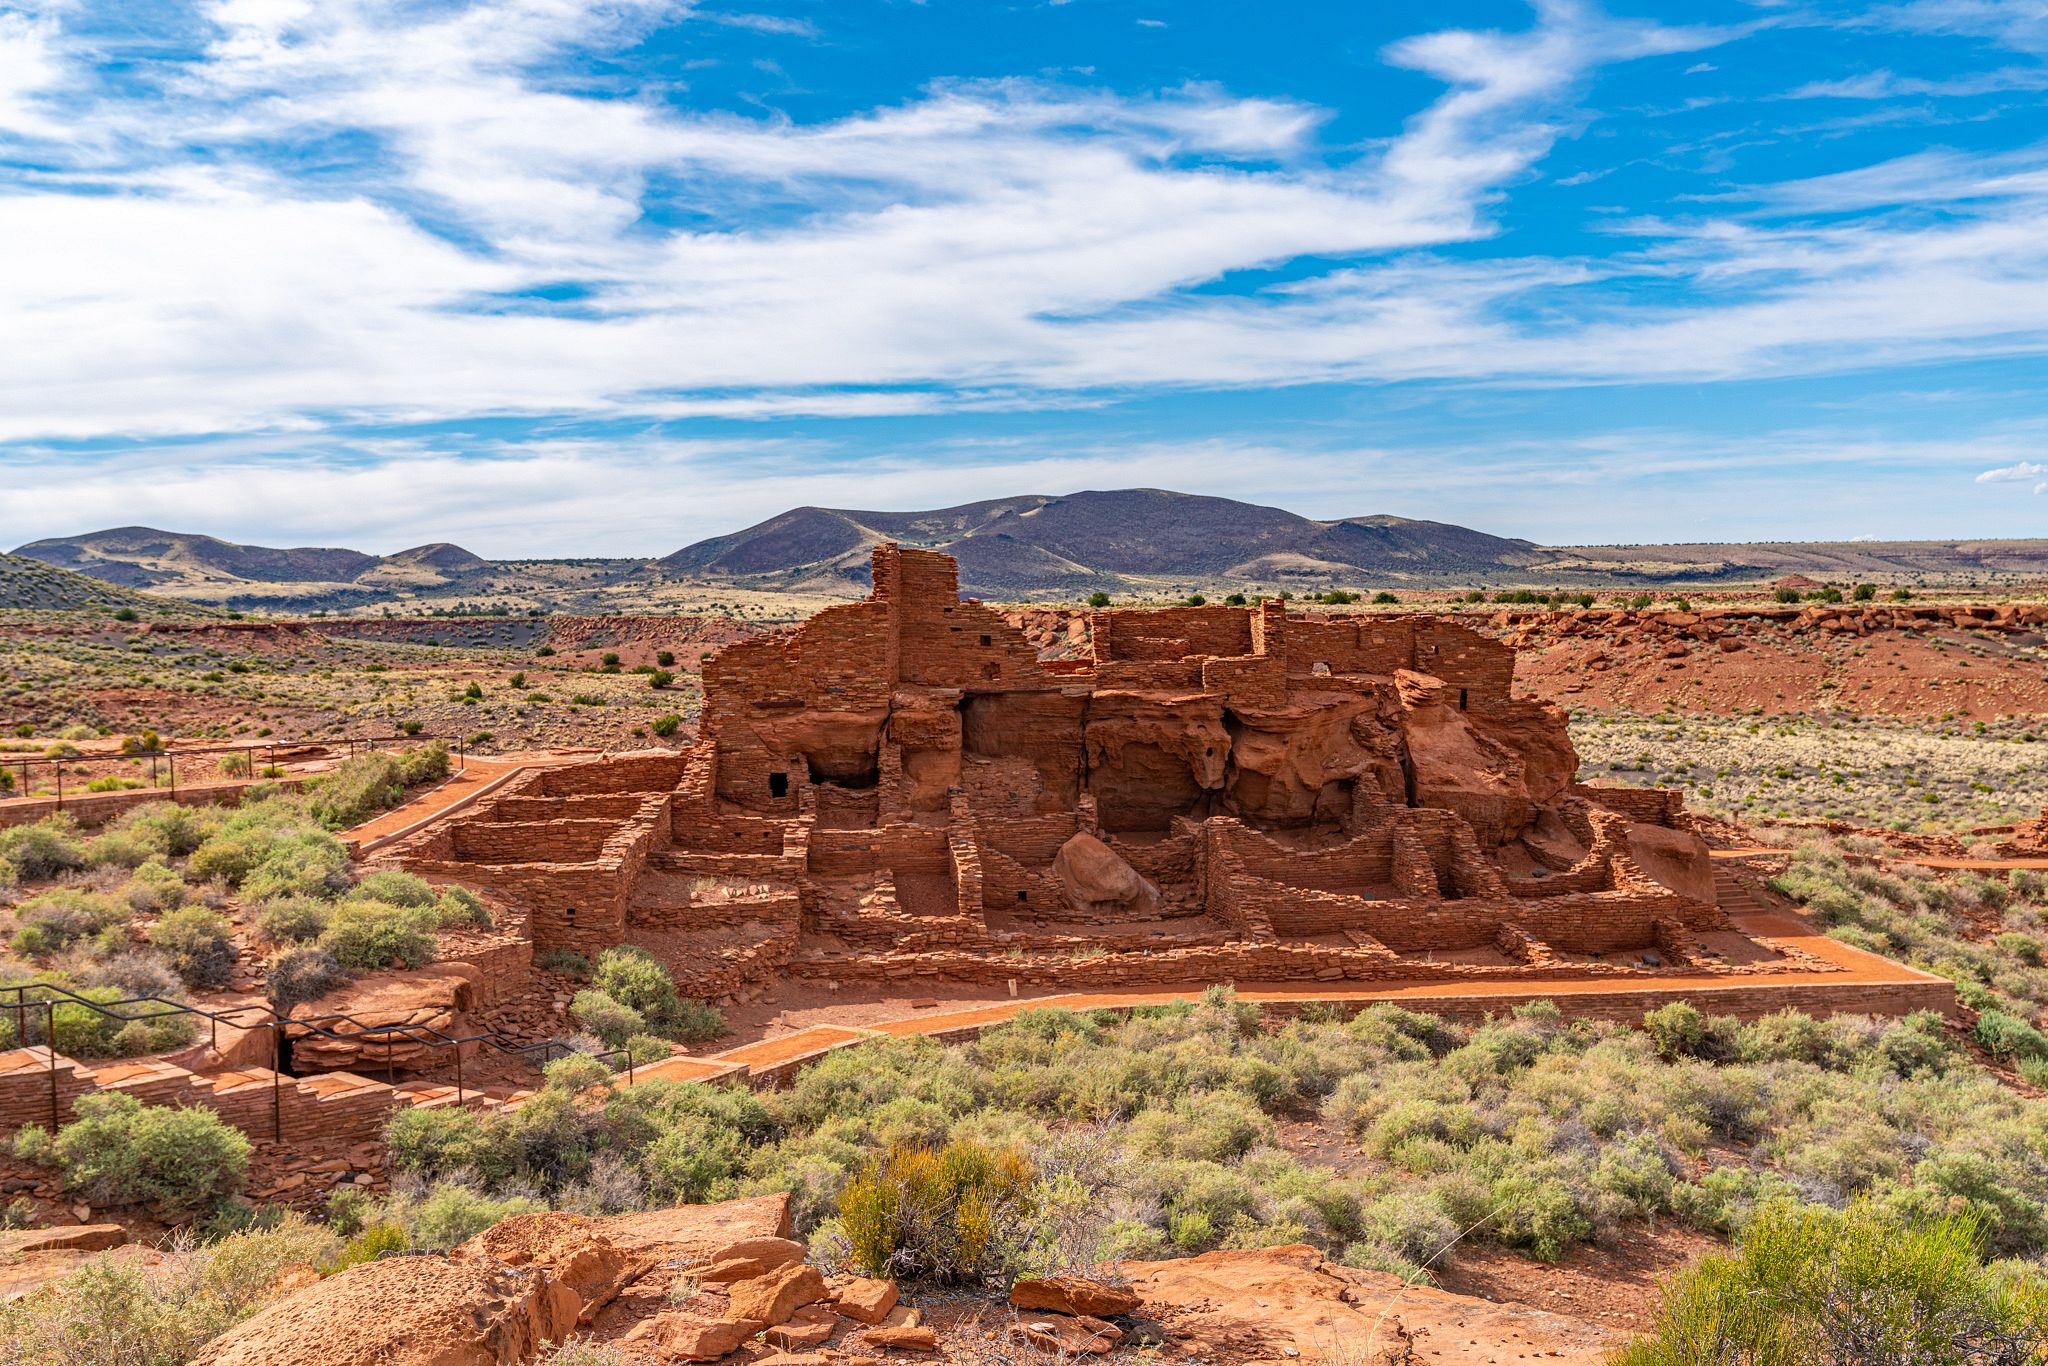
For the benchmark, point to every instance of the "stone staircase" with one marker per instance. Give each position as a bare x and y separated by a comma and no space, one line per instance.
1732,895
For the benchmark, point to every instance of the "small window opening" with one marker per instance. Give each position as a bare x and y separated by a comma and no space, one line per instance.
778,784
1461,699
1320,669
1020,894
988,640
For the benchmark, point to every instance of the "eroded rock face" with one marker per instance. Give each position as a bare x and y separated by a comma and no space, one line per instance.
1494,769
406,1311
1096,881
1289,766
1677,858
494,1300
432,999
573,1250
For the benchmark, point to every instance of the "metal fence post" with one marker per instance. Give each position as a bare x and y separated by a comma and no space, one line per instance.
50,1026
276,1077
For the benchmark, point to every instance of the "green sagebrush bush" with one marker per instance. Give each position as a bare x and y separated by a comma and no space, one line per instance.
270,849
169,829
636,979
122,1152
60,917
367,935
199,946
83,1031
1808,1286
44,850
453,907
116,1313
301,974
294,919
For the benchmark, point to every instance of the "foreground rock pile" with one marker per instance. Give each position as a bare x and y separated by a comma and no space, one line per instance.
725,1283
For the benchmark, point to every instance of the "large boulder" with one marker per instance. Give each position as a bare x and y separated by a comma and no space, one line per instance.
406,1311
570,1247
1095,880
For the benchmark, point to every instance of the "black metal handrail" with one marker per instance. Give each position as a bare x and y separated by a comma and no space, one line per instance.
55,994
25,764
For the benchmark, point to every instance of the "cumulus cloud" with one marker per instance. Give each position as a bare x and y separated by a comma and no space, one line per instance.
2024,471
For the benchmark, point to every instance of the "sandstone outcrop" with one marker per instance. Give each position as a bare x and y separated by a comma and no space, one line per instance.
406,1311
1074,1295
390,1019
1289,1305
526,1280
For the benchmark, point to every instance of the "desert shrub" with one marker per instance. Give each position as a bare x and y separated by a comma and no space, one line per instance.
1681,1031
116,849
302,863
427,1144
609,1019
269,849
647,1048
199,944
950,1213
370,1244
43,850
1211,1126
294,919
695,1022
366,935
566,961
10,876
393,887
115,1313
2008,1036
62,916
695,1159
458,908
171,830
134,975
423,763
357,789
449,1213
666,725
154,887
1810,1286
238,765
301,974
95,1027
122,1152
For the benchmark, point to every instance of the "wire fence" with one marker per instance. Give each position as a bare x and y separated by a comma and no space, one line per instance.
17,1007
41,776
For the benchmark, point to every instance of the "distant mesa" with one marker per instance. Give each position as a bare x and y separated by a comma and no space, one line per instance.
1101,539
1131,543
206,568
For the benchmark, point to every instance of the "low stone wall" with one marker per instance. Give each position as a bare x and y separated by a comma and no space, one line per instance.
97,808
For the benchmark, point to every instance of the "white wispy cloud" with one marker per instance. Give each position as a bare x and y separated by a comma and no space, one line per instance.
382,186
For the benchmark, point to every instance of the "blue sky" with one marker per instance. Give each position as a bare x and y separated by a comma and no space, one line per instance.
556,278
